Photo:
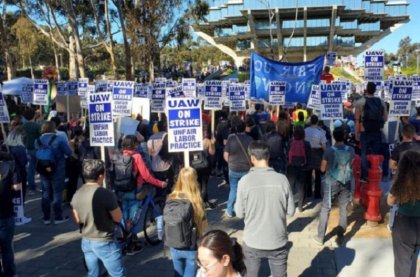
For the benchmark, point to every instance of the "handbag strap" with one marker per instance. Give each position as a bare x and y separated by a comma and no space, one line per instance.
243,150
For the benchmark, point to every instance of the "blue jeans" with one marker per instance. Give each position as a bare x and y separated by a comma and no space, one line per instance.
371,143
52,190
31,170
7,228
184,262
108,252
234,178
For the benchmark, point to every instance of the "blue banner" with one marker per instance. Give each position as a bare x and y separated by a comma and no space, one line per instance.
299,77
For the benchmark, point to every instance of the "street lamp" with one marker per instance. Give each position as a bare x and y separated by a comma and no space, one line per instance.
418,59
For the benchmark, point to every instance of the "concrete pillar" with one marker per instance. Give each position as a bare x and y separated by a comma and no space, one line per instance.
305,17
279,35
251,26
332,28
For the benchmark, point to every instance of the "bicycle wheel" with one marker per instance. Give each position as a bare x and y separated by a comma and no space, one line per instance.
149,226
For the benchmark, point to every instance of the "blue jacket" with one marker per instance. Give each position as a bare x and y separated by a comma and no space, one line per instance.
60,146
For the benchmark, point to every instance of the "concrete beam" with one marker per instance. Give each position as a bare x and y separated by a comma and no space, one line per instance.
239,60
332,28
251,25
305,24
279,35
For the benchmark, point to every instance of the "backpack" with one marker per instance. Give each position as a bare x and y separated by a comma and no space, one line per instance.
342,165
199,160
46,161
179,227
123,176
373,114
88,153
275,144
297,153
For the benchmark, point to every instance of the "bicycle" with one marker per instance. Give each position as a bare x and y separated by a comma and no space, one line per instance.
151,210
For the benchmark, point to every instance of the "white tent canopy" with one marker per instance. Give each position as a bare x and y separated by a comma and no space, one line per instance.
15,86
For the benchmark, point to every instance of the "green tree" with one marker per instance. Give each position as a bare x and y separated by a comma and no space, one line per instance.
28,40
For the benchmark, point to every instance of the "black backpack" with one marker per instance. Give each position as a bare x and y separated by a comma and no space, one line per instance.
123,177
199,160
373,114
178,217
88,153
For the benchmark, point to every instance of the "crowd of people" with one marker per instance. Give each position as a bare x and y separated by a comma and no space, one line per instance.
264,157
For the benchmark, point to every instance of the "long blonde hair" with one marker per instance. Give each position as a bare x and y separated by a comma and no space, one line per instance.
186,187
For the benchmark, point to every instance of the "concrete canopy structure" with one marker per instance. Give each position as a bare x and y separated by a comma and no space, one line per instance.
299,30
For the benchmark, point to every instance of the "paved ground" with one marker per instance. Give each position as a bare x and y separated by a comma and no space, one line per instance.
55,250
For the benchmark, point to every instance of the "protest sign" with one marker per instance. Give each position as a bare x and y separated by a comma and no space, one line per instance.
40,92
82,86
277,93
331,101
161,80
374,65
128,126
189,87
314,101
20,218
82,91
416,92
247,85
237,98
26,95
401,98
72,88
61,88
101,86
141,106
158,97
101,126
213,95
184,124
299,77
330,58
142,90
174,92
122,95
4,113
225,92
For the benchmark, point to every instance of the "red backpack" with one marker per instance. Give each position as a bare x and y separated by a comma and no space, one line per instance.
297,153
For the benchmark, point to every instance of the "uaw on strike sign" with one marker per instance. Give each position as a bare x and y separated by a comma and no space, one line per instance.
100,118
184,124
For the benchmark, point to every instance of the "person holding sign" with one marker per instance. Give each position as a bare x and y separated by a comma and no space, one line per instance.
162,161
140,174
370,114
9,182
15,142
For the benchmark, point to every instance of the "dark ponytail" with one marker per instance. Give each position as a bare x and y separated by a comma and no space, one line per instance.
221,244
238,258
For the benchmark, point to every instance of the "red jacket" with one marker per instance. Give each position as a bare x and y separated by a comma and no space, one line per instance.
143,173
